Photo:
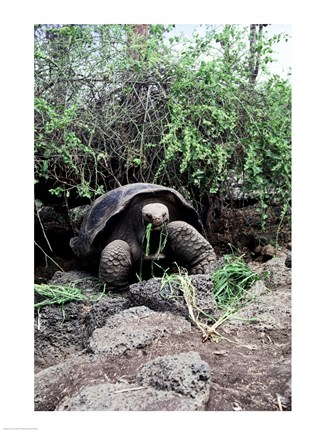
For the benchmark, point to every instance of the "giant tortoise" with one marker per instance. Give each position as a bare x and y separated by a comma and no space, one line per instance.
137,224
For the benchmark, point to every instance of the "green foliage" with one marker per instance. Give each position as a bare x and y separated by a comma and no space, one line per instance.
268,152
221,124
163,236
153,255
59,295
112,108
231,284
58,149
56,294
232,281
182,282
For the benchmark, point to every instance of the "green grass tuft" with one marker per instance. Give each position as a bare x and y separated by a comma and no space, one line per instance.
58,294
232,281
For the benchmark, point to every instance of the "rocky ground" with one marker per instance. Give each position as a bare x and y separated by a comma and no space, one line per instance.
140,351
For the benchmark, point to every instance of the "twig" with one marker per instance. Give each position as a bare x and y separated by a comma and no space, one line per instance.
144,123
38,319
49,257
42,227
130,389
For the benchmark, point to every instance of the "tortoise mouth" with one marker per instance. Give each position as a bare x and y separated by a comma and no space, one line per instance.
156,226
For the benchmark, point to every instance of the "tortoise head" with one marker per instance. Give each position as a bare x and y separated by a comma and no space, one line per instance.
157,214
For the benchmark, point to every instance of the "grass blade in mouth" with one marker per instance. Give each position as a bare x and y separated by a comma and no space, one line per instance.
148,237
163,236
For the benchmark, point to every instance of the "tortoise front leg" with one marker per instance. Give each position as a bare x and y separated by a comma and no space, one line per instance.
190,248
115,265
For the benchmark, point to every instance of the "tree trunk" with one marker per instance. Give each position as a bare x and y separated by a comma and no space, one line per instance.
255,51
137,37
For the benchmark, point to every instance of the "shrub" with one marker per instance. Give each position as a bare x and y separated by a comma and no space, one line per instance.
112,108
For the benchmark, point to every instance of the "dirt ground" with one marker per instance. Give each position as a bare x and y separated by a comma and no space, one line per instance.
250,363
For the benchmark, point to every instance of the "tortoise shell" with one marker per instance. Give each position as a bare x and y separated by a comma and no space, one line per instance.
117,215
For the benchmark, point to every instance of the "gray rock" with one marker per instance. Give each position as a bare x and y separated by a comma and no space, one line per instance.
268,251
50,218
184,373
269,310
136,327
169,383
170,297
76,216
63,331
82,280
58,335
125,397
280,275
288,260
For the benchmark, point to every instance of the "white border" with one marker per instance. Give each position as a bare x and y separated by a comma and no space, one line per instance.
17,209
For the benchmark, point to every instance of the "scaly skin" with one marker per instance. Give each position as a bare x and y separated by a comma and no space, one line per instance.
190,248
115,265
